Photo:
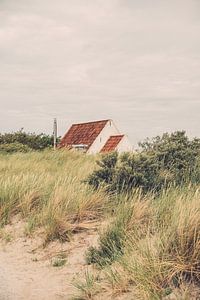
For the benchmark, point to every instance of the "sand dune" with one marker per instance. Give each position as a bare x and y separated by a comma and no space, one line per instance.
26,270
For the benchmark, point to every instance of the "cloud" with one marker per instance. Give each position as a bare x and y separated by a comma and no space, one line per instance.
80,60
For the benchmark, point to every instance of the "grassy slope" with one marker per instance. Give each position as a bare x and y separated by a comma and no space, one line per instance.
46,189
152,247
152,244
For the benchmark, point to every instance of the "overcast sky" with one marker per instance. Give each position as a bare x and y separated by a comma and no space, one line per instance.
134,61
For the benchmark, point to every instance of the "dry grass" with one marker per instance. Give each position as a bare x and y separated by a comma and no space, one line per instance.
151,245
47,190
159,247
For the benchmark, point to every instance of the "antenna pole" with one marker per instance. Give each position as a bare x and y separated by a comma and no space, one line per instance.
54,133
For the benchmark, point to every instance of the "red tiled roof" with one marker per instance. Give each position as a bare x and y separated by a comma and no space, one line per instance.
112,143
83,133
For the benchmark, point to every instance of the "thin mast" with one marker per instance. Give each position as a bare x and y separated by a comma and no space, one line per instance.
54,133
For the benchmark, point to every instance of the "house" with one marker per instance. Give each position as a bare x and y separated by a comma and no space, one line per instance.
94,137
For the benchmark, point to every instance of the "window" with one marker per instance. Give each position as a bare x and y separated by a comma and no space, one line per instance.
80,147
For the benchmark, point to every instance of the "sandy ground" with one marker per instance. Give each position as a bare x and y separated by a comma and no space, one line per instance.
26,270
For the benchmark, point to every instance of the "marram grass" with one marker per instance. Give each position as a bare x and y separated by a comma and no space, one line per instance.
47,190
154,241
159,247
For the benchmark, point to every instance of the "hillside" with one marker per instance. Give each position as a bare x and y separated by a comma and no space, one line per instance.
61,238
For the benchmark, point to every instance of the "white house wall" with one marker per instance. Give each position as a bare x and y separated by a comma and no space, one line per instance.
107,131
124,145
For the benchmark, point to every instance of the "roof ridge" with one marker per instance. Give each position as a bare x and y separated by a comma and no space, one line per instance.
116,135
106,120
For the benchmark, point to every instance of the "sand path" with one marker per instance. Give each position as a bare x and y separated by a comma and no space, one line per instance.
27,273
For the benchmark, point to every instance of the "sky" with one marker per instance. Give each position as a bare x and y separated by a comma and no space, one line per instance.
134,61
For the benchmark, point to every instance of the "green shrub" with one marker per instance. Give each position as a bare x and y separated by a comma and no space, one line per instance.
31,140
14,147
172,159
111,245
104,175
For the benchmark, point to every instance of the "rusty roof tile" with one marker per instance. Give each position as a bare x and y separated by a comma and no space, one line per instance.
83,133
112,143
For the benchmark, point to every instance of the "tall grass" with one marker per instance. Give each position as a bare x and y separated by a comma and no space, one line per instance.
151,245
47,190
159,247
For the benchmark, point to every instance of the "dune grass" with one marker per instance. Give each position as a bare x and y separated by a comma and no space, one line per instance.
155,247
47,190
151,245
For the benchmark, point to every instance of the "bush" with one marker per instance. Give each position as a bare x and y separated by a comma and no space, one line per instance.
111,247
132,216
31,140
14,147
172,159
105,174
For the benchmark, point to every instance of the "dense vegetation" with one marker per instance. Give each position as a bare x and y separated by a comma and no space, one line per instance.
150,199
20,141
172,159
152,246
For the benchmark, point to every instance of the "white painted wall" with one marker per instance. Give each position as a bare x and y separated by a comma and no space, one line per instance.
124,145
107,131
